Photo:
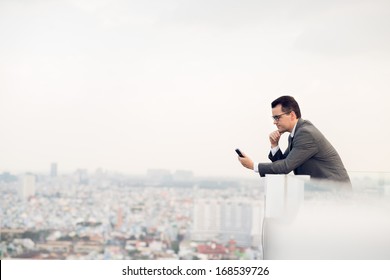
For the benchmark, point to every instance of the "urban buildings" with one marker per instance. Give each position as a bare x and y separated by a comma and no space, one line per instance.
53,170
27,187
228,219
104,215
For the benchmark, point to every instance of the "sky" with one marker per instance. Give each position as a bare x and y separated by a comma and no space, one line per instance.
134,85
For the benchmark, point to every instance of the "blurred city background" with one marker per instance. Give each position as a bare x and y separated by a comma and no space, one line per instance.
166,215
102,215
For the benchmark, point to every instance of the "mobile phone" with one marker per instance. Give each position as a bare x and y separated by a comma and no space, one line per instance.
239,153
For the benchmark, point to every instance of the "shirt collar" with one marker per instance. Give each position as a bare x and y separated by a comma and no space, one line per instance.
293,131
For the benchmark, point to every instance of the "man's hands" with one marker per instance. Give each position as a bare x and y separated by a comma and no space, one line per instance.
246,161
274,138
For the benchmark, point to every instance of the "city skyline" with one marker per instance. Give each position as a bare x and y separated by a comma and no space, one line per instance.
110,218
54,170
130,86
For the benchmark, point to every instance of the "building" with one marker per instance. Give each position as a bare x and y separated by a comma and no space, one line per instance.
226,219
81,176
212,251
53,170
27,188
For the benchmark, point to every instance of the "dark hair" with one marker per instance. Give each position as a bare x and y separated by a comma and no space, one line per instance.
288,104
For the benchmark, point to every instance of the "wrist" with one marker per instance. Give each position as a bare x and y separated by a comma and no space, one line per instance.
250,165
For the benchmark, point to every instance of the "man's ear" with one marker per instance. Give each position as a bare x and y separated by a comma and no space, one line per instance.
293,115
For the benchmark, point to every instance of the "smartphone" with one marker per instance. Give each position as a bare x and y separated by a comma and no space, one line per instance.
239,153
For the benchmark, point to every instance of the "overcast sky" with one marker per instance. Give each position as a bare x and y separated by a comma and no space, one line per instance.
131,85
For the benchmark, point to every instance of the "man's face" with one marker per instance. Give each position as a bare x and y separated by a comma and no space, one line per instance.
284,121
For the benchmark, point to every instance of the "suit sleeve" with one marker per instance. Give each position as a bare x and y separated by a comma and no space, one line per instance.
278,155
305,146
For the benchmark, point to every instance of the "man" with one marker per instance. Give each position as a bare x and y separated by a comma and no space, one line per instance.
308,152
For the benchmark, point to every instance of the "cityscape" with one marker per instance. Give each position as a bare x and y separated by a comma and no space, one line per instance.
107,215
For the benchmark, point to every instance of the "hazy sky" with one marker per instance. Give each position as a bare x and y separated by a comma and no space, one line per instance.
131,85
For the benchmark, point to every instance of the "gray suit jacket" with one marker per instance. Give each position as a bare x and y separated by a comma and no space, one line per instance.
310,154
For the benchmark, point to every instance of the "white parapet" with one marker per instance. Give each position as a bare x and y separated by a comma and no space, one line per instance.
306,219
283,194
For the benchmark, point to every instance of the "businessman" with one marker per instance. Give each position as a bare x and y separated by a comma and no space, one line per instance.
308,152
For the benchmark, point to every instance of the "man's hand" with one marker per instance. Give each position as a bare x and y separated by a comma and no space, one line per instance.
246,161
274,138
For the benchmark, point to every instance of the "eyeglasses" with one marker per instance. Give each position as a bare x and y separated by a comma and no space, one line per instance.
277,117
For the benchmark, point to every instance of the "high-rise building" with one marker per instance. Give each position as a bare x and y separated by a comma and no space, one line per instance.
53,170
27,189
224,219
81,176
